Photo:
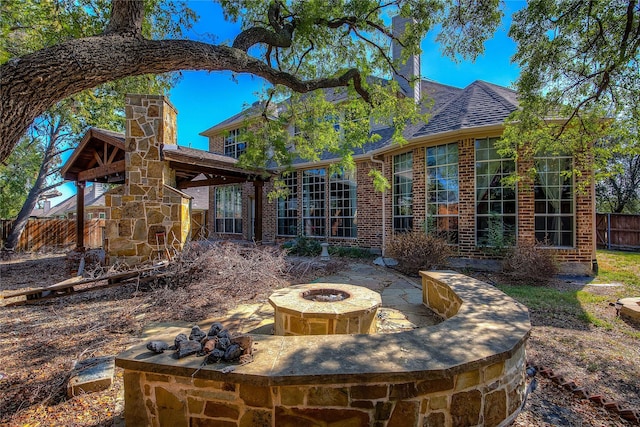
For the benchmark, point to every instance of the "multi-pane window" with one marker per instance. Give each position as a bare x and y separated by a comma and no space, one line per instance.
342,205
442,191
228,213
313,202
288,207
403,192
233,146
495,202
554,207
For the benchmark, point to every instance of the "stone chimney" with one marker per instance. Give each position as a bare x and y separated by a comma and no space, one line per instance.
410,69
147,212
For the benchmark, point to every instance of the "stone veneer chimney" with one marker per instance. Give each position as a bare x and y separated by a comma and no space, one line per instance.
410,69
147,214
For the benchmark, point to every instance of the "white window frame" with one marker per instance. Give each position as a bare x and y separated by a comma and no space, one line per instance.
444,167
492,190
564,203
288,206
343,210
228,207
233,145
405,205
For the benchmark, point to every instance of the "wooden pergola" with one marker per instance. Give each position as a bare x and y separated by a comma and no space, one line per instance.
100,157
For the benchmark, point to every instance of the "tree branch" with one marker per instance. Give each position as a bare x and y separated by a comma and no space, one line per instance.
35,82
126,17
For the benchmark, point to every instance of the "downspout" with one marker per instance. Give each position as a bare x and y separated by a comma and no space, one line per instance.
384,206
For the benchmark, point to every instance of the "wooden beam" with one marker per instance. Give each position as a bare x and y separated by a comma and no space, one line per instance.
257,219
207,169
102,171
113,154
80,216
210,181
97,158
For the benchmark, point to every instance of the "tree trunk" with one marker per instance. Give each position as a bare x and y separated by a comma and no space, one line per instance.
21,220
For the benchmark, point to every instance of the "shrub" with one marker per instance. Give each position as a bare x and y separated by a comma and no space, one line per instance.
349,252
531,263
417,251
303,246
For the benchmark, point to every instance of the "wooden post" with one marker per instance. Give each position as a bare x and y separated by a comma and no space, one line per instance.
80,215
257,186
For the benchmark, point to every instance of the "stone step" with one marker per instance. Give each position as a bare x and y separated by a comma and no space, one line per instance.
91,375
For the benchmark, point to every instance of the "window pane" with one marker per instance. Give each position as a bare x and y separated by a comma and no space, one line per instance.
554,219
228,207
403,190
442,200
496,220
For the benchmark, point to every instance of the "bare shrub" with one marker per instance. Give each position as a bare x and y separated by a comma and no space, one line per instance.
210,277
530,262
417,251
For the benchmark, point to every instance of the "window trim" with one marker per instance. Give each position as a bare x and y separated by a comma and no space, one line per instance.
516,213
239,193
394,203
573,204
344,177
231,142
426,186
291,196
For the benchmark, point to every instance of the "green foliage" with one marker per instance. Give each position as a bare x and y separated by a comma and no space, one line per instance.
579,65
29,25
348,252
16,175
417,251
500,237
303,246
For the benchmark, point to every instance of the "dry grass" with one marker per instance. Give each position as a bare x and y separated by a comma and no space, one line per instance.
575,332
39,343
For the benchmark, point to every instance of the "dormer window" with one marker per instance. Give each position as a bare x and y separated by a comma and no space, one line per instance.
233,145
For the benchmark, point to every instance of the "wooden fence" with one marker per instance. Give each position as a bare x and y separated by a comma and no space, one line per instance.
45,234
618,231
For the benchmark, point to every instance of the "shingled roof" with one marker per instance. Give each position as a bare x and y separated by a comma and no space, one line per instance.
479,104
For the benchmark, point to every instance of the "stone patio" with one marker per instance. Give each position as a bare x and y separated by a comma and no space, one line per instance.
465,370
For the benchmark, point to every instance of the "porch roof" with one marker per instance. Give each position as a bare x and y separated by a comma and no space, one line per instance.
98,158
218,169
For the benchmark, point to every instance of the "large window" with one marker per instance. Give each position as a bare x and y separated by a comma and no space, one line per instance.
233,146
554,207
495,202
342,205
313,209
442,191
228,209
288,207
403,192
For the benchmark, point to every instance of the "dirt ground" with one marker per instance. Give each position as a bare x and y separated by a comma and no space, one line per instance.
39,344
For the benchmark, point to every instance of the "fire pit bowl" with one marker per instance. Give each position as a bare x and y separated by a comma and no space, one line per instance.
325,309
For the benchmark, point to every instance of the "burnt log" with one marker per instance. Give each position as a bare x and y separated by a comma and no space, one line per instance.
197,334
157,346
187,348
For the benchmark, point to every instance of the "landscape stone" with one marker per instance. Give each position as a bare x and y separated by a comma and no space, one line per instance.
91,375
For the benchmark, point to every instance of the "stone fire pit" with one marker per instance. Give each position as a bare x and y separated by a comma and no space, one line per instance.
467,370
325,309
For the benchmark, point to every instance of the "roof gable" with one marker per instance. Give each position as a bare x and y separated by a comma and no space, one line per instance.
479,104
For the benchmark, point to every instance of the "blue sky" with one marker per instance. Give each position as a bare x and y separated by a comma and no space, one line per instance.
204,99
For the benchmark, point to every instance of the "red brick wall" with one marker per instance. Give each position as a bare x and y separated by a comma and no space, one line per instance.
370,206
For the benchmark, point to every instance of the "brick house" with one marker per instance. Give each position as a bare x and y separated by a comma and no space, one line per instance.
447,177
